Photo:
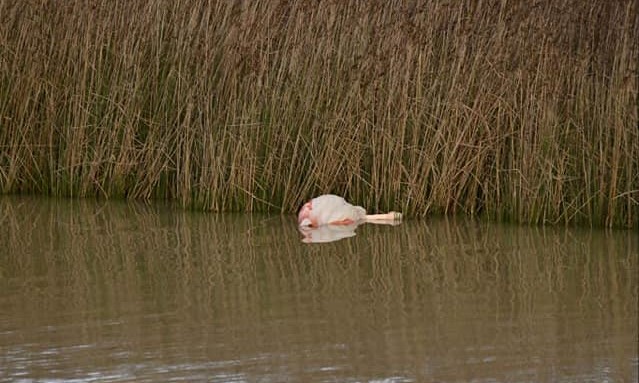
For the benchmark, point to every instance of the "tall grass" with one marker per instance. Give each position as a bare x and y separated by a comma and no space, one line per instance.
518,111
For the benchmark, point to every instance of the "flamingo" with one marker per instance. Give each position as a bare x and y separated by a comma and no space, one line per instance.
329,209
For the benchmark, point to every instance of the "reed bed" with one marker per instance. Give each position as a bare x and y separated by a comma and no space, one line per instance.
518,111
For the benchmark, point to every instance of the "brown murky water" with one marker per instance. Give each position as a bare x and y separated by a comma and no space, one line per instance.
109,292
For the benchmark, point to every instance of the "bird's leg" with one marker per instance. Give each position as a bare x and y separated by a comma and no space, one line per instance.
391,217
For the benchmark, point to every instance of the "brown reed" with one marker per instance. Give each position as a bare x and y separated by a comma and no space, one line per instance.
520,111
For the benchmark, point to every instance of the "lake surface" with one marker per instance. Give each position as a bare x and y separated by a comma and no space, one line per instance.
115,291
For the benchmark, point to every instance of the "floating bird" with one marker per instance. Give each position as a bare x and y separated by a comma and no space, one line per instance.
329,209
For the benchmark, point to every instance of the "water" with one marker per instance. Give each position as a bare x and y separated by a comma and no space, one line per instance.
113,291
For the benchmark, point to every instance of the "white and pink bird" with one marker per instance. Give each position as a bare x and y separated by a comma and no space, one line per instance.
329,209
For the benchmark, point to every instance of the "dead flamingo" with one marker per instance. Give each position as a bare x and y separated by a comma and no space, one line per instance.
329,209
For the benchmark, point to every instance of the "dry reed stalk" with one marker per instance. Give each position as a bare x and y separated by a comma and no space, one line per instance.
513,111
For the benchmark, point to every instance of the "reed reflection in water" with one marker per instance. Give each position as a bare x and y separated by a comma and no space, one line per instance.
111,291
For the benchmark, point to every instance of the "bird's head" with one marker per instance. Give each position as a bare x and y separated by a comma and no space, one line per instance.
304,216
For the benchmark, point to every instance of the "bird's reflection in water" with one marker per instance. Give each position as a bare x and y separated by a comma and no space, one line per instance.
331,233
327,233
